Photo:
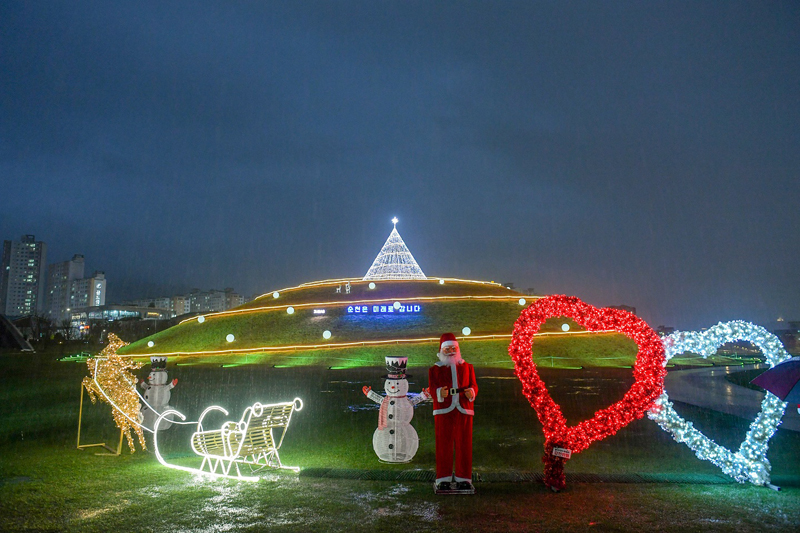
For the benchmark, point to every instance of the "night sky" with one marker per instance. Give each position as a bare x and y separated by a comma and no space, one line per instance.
633,153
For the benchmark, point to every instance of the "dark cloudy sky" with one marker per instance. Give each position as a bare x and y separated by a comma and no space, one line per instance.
624,152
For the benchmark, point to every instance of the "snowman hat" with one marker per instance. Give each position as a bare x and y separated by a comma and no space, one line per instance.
158,363
448,339
396,367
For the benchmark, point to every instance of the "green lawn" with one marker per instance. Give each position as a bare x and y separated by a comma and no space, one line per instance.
46,484
359,290
277,328
263,327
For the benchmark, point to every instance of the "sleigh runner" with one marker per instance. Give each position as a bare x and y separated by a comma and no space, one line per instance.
252,441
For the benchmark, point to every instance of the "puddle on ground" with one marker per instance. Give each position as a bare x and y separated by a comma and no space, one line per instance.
426,511
14,480
372,406
514,441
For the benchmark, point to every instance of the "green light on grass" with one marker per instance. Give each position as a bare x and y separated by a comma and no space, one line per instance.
77,358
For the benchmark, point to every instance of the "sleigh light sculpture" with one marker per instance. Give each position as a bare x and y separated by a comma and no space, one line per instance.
251,441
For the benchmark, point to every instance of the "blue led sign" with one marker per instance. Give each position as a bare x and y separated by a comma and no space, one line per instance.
383,309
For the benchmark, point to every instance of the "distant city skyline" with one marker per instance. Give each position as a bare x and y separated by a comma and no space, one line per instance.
643,154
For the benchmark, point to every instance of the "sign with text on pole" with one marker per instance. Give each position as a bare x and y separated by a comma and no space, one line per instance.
562,452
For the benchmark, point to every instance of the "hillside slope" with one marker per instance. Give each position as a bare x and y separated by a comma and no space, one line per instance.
433,307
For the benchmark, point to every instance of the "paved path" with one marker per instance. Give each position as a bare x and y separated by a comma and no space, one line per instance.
707,387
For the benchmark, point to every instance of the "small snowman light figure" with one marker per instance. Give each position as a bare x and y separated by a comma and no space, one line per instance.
395,440
156,393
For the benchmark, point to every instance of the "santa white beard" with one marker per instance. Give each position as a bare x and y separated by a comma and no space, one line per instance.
453,359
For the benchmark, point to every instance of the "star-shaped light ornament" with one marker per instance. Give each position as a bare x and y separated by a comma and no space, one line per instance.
112,381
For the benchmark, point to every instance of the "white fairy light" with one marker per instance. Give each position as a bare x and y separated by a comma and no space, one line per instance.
750,463
276,294
564,327
290,310
371,285
230,338
522,301
326,334
234,445
466,330
394,261
201,319
150,344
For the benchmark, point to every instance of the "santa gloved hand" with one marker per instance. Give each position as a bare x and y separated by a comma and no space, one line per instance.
366,389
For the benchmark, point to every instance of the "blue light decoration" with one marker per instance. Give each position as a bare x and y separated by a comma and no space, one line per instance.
383,309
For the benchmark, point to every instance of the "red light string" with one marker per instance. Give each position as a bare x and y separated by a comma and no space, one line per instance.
648,373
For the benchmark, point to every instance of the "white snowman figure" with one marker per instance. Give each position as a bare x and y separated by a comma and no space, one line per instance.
395,440
156,393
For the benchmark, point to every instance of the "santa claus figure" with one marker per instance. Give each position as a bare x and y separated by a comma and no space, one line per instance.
453,388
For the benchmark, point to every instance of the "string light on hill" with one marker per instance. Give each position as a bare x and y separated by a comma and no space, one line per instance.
750,463
114,375
334,303
562,441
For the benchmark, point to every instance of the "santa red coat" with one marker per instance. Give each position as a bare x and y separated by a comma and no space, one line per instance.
453,419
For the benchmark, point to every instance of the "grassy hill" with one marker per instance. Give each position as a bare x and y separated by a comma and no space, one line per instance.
264,324
265,333
335,291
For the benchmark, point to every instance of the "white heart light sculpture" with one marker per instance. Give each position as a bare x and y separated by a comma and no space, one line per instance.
750,462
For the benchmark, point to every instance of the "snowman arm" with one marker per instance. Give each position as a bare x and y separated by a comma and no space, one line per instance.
421,397
374,396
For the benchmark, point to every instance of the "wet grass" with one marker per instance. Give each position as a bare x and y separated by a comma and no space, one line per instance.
46,484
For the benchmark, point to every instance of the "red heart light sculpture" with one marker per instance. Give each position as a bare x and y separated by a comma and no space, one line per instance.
648,372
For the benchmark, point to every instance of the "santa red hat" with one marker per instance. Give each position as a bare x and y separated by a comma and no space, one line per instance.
448,339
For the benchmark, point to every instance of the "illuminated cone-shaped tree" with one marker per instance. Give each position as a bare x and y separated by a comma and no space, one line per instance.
394,261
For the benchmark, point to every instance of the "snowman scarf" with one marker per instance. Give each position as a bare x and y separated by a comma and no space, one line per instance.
382,415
